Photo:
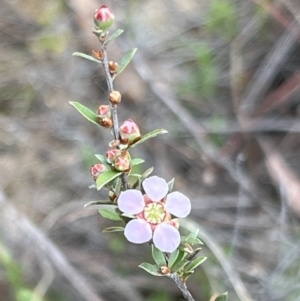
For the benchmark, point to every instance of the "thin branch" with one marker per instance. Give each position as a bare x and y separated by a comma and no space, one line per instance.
110,86
113,108
182,286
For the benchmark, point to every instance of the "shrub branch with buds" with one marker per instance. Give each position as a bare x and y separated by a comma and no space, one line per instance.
149,208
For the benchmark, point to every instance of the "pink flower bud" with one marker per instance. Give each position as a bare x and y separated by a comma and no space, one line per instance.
122,163
112,154
104,111
103,18
97,170
129,131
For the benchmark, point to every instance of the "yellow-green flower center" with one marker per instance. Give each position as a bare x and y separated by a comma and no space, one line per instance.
154,213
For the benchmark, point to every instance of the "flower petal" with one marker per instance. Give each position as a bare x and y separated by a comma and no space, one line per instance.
166,238
178,204
131,201
156,188
138,231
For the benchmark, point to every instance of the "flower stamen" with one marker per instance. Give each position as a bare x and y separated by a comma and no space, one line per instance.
154,213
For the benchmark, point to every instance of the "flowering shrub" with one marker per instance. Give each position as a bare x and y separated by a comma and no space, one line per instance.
148,208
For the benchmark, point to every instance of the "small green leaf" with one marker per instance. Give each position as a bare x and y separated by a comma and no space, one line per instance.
179,259
107,177
192,238
125,60
158,256
135,175
185,276
113,229
117,33
87,57
149,135
222,297
172,258
151,269
91,203
179,265
147,173
101,158
137,161
195,263
171,185
110,214
86,112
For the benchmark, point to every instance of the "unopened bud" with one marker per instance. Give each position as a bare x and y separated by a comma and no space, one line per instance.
105,122
99,55
112,196
113,67
103,18
104,111
130,131
97,170
112,154
115,97
114,143
165,270
122,163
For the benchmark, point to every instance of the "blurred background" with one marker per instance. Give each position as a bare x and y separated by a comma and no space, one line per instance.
222,76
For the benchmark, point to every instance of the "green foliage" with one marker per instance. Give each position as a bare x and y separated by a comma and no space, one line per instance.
136,161
117,33
87,57
125,60
150,135
107,177
110,214
151,269
91,203
113,229
158,256
222,297
222,18
85,112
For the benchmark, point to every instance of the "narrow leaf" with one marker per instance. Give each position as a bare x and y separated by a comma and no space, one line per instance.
179,265
101,158
172,258
137,161
117,33
86,112
195,263
113,229
185,276
110,214
151,269
106,177
179,260
87,57
192,238
158,256
149,136
147,173
125,60
171,185
222,297
91,203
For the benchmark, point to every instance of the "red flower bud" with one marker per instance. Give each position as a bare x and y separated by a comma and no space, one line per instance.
103,18
97,170
130,131
112,154
122,163
104,111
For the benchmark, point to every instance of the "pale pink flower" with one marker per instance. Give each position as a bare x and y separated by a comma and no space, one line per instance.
153,212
